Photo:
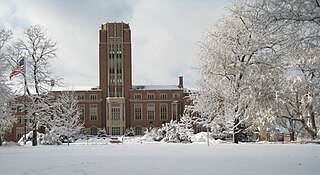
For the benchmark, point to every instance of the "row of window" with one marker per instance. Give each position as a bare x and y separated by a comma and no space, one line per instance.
119,94
93,112
161,96
115,94
163,111
91,97
115,46
115,131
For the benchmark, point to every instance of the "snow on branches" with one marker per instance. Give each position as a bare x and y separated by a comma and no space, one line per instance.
250,57
6,119
65,119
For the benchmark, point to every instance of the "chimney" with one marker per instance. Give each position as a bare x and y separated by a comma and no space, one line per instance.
180,81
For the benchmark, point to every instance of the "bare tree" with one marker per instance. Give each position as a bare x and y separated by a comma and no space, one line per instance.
37,50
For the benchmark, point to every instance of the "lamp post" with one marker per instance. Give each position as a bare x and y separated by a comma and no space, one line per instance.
25,130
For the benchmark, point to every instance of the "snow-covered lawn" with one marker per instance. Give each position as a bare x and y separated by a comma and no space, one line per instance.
140,159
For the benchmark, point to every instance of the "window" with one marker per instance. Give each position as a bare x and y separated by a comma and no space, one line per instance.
138,130
115,111
20,108
80,96
163,111
19,132
174,111
19,119
137,96
93,131
150,96
82,112
119,78
115,130
111,94
93,112
200,129
138,112
112,79
119,94
163,96
176,96
111,70
93,96
150,111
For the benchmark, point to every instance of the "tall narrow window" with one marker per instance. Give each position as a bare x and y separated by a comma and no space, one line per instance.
163,111
19,132
93,112
115,111
150,111
176,96
138,112
115,130
93,96
82,112
174,111
150,96
137,96
163,96
80,97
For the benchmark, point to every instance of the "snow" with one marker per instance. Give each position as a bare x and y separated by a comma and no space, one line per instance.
75,88
147,158
156,87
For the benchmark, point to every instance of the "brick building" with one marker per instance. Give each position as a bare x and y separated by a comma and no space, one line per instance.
116,104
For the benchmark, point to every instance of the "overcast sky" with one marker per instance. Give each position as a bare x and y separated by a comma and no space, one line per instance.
165,34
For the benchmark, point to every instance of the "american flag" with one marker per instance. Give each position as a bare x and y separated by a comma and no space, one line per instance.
20,68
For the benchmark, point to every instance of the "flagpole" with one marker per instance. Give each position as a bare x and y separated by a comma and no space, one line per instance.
24,76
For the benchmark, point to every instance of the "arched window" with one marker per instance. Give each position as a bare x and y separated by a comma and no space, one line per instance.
138,130
93,131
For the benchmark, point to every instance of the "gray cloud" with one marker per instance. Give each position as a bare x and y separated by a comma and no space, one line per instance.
165,34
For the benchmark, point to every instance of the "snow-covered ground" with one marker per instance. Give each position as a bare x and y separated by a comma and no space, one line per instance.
151,158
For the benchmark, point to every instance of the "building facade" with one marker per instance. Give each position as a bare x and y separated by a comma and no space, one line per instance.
116,104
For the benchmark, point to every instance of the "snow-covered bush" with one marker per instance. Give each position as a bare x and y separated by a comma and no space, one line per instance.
130,132
102,132
152,134
42,139
173,132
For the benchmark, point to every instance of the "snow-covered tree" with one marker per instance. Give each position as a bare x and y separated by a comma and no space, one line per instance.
185,128
207,107
65,119
36,50
6,119
237,65
248,55
298,23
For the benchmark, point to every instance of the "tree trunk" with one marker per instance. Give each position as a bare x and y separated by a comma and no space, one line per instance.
68,139
208,137
0,140
291,130
236,131
292,136
34,135
311,132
